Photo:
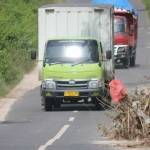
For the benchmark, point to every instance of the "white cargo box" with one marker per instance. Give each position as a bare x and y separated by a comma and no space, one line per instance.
55,21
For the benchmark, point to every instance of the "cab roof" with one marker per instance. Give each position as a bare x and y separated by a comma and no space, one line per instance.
72,38
118,4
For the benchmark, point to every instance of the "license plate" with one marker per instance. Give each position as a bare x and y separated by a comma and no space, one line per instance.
71,93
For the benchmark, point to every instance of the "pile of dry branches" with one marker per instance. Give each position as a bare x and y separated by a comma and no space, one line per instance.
131,120
133,117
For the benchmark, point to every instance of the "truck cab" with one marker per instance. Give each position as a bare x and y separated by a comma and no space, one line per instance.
125,39
121,41
72,70
121,30
125,28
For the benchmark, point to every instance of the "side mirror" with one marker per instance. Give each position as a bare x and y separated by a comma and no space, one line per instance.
33,54
108,54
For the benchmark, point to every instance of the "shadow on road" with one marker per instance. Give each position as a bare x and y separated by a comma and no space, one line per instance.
122,67
77,107
30,105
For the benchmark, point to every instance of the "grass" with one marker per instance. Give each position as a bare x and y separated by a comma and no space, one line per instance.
147,5
18,36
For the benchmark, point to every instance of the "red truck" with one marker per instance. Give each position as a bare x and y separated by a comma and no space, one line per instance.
125,37
125,31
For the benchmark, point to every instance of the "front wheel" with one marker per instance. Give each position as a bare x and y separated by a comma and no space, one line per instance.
48,103
97,103
132,62
127,63
57,103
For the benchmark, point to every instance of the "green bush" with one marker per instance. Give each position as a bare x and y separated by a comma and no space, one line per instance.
147,5
18,36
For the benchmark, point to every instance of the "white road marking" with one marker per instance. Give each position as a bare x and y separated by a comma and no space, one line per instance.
75,111
58,136
148,47
71,119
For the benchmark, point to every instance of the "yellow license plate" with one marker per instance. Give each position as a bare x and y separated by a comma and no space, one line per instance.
71,93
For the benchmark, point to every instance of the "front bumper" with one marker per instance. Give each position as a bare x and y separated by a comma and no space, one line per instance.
83,93
121,54
120,58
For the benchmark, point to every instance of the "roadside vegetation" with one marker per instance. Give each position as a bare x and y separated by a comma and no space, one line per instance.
147,5
131,119
18,36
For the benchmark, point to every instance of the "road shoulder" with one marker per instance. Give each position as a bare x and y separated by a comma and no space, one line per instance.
29,82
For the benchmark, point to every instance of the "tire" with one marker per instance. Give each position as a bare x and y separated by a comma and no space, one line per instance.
97,104
48,104
57,103
127,63
132,61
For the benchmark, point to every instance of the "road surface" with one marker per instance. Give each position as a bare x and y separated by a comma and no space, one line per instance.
28,127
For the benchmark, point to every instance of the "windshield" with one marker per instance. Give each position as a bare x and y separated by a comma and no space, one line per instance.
71,51
119,25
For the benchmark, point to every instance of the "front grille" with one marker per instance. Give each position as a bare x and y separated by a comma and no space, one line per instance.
66,85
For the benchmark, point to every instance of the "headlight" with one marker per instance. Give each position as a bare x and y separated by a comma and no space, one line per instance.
122,49
48,84
95,84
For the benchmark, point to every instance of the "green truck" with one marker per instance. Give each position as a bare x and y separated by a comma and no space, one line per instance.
75,53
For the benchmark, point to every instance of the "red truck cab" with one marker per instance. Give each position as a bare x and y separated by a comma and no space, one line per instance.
125,38
121,31
125,28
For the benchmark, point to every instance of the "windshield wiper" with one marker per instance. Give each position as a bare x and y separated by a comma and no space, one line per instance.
51,61
82,61
54,61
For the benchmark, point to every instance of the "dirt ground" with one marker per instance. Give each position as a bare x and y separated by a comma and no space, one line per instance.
123,144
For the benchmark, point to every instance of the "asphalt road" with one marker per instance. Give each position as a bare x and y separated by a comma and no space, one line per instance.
73,127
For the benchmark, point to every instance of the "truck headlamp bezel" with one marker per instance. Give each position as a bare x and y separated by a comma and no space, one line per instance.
94,84
122,49
48,84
